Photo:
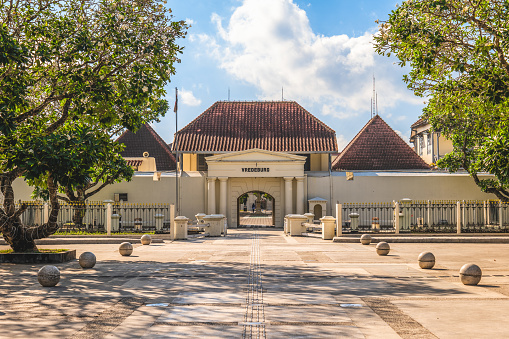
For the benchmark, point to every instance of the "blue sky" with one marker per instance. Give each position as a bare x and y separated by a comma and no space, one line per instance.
319,52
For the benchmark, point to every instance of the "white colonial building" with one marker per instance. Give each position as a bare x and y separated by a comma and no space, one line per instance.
270,159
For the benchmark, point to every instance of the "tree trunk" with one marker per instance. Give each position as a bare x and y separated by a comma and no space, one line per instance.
17,237
20,237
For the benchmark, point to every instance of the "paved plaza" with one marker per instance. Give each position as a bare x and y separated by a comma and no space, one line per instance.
257,283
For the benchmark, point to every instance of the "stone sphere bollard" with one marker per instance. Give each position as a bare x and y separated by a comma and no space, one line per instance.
365,239
126,249
146,239
382,248
470,274
48,276
87,260
426,260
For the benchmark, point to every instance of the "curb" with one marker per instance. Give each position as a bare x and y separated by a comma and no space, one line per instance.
438,240
77,241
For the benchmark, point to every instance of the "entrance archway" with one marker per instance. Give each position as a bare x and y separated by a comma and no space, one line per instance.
256,208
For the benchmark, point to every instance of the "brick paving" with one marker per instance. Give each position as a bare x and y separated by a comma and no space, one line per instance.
258,283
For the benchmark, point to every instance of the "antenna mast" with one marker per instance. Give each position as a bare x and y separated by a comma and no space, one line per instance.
282,97
373,98
228,93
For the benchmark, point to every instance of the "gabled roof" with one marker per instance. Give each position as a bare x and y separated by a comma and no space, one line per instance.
279,126
419,122
147,140
377,148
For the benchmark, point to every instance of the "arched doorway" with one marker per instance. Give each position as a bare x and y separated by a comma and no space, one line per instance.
255,208
317,211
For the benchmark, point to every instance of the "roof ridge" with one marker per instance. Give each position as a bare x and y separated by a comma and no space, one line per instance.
352,142
195,119
397,153
271,125
159,140
315,118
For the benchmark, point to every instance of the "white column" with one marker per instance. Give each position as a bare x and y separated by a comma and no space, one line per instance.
300,195
223,195
288,195
109,212
339,219
397,219
458,217
172,216
212,195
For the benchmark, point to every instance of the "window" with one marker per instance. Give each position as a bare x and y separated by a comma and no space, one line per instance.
202,163
428,144
421,144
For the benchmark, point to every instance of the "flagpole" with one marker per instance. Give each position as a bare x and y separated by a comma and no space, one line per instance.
177,169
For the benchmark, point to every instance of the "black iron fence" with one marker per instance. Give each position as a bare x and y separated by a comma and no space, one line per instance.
428,216
438,216
142,217
92,216
370,217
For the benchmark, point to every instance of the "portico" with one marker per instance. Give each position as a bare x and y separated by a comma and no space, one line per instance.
281,175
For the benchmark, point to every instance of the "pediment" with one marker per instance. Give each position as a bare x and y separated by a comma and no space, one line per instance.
255,155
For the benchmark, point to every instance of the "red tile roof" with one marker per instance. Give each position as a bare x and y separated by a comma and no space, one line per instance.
378,147
279,126
147,140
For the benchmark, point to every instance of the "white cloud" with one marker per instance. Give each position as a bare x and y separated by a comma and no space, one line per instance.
188,98
342,142
189,21
270,44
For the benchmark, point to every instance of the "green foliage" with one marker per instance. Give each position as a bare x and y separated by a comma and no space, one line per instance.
41,250
457,51
73,74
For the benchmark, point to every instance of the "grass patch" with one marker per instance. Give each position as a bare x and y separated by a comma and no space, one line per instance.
41,250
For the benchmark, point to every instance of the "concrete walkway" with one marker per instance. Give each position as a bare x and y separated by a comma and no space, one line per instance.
257,283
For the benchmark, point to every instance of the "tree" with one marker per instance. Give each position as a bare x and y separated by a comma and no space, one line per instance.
458,53
92,161
70,73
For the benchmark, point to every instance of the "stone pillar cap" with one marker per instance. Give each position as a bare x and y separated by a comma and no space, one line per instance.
200,214
181,217
328,217
353,215
213,216
310,214
296,216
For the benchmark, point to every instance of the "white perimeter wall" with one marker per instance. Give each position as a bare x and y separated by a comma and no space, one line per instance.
366,187
389,186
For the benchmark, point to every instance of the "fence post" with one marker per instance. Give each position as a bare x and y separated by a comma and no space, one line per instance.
109,210
339,218
45,216
396,217
486,217
172,217
500,214
429,223
458,217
